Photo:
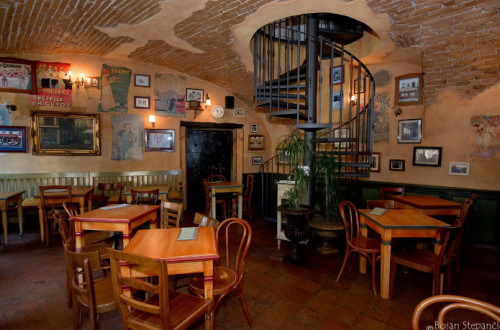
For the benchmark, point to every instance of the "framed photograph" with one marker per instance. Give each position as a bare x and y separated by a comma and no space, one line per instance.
375,164
409,89
336,100
459,168
238,112
337,75
65,133
359,86
194,95
410,131
427,156
17,76
256,142
159,140
142,80
254,128
13,139
91,82
396,165
142,102
256,160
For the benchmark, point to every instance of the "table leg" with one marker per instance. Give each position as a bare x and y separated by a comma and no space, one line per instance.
82,205
79,239
20,215
126,237
5,232
214,207
42,225
362,261
89,203
385,267
208,272
240,206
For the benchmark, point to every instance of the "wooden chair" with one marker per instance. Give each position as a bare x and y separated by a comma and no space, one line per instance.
205,221
236,235
110,193
383,203
427,261
170,214
51,198
92,236
450,303
95,295
247,196
153,306
208,200
367,247
463,218
216,178
387,192
145,197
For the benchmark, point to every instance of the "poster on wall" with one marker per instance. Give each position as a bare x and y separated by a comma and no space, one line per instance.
53,85
487,131
381,117
17,76
5,116
170,96
115,82
127,137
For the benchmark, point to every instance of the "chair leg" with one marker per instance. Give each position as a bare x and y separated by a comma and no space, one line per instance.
244,305
347,252
76,312
437,283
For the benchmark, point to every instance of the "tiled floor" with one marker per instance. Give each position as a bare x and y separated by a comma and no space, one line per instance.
279,295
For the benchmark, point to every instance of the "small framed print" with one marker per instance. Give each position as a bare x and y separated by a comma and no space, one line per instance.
375,163
254,128
359,86
142,80
256,142
396,165
238,112
91,82
409,89
336,100
141,102
427,156
159,140
337,75
410,131
459,168
256,160
13,139
194,95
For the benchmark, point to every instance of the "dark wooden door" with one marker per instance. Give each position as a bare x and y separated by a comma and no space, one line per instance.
207,152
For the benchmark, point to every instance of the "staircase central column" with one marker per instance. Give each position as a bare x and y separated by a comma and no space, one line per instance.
311,90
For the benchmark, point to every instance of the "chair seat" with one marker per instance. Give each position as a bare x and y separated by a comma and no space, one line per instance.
104,297
180,305
224,278
422,260
368,245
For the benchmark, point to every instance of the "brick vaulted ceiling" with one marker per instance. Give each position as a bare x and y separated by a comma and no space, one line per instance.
194,36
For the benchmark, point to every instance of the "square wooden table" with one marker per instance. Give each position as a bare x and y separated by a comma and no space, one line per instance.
428,205
226,187
123,219
7,198
395,223
182,256
162,194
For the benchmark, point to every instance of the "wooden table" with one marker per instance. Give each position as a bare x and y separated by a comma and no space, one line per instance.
124,219
162,194
183,257
395,223
226,187
7,198
428,205
78,195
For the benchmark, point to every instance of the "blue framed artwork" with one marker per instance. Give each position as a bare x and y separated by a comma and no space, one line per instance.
13,139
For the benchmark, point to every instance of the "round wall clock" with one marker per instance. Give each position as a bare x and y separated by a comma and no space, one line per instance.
217,111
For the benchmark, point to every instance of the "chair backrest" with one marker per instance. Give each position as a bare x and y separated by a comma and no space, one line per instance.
55,195
383,203
450,303
155,310
73,209
111,189
170,214
234,236
62,226
145,197
216,178
466,206
249,186
206,191
349,214
387,192
448,238
205,221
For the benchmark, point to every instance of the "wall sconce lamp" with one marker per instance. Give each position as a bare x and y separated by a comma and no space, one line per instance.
10,107
152,120
354,100
207,101
77,82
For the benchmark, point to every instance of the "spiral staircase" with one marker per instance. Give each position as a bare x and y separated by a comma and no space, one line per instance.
303,75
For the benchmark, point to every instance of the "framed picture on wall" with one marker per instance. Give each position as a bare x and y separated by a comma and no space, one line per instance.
91,82
142,80
17,76
256,160
159,140
13,139
337,75
194,95
375,164
256,142
141,102
410,131
409,89
459,168
427,156
254,128
396,165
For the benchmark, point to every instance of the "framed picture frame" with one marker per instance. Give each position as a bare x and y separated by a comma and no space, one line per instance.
257,160
359,87
337,75
142,102
375,163
336,100
238,112
142,80
410,131
193,94
65,133
159,140
17,76
427,156
459,168
256,142
409,89
13,139
254,127
396,165
91,82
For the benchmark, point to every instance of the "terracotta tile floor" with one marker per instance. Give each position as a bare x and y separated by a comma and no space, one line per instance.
279,295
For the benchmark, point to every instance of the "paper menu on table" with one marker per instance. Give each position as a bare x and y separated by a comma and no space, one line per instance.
378,211
188,233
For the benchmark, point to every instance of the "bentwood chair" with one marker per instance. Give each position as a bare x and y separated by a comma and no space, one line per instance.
90,289
52,198
216,178
247,196
170,214
463,306
152,306
149,197
233,236
205,221
109,193
383,203
464,212
427,261
387,192
208,200
366,247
